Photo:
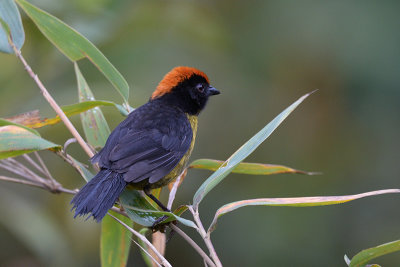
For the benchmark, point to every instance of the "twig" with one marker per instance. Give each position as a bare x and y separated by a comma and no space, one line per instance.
52,102
19,181
205,236
33,163
148,254
46,171
174,189
193,244
144,239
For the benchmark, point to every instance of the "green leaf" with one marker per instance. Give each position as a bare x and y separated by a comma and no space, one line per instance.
141,211
70,110
80,167
94,124
242,153
73,45
245,167
10,26
115,241
16,141
4,122
294,202
363,257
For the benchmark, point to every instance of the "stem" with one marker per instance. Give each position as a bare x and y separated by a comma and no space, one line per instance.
193,244
164,262
19,181
205,236
52,102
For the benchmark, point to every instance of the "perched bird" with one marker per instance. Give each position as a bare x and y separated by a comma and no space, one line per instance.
151,147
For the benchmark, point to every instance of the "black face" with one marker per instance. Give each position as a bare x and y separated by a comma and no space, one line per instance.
191,95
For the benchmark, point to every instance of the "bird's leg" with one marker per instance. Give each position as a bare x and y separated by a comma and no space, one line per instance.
147,191
162,218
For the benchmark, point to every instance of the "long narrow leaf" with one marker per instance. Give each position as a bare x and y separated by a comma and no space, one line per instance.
73,45
294,202
242,153
144,213
115,241
366,255
10,26
69,110
94,124
4,122
245,167
15,141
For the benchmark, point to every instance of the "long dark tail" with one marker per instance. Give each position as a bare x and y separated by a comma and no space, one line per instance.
99,194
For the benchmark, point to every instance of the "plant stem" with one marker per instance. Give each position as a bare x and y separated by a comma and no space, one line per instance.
164,262
193,244
52,102
205,236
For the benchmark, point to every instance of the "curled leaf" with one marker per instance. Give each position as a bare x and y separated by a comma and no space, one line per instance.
294,202
246,167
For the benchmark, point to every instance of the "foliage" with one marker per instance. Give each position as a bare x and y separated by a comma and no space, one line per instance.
21,138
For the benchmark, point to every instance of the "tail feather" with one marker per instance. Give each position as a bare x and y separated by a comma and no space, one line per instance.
99,194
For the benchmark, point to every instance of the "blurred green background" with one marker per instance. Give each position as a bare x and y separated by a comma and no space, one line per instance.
262,56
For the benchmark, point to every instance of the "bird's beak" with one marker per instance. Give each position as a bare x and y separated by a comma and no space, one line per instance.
213,91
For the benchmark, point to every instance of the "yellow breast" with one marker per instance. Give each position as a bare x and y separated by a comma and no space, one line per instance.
185,159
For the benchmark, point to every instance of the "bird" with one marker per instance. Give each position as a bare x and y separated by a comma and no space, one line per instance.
151,147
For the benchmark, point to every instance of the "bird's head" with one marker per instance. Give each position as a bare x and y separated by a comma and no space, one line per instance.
185,87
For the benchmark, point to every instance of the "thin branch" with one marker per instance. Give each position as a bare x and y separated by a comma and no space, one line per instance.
19,181
174,189
33,163
148,254
52,102
193,244
164,262
46,171
205,236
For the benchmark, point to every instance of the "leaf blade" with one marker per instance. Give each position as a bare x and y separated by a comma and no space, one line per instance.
94,124
73,45
242,153
295,202
141,211
15,141
115,241
11,19
246,167
364,256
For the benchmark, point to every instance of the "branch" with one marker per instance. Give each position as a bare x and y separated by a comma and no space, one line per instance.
52,102
193,244
164,262
205,236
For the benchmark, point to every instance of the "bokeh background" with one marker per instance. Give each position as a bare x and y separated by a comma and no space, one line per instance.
262,56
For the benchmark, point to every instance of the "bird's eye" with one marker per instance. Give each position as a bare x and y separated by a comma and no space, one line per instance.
200,87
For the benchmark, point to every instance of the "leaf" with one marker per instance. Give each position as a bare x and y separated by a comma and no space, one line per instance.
141,211
26,118
363,257
242,153
16,141
115,241
10,26
245,167
4,122
73,45
294,202
94,124
84,172
69,110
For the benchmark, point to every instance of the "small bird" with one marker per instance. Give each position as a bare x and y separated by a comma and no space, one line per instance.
151,147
